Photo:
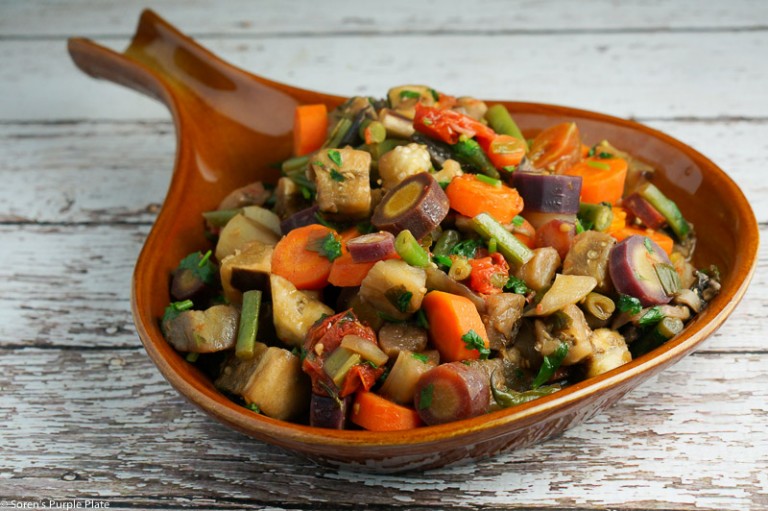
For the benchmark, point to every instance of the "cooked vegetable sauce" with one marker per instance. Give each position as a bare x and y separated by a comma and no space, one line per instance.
421,262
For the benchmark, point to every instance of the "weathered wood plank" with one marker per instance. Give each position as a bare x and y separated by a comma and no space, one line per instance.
70,286
659,75
274,17
104,424
100,172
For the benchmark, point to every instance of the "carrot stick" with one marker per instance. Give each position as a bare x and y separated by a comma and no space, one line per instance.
375,413
602,178
452,319
470,196
310,123
661,239
296,257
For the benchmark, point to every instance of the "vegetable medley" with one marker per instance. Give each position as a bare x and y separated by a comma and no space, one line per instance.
421,261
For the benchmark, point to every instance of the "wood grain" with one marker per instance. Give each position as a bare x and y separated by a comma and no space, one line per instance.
278,17
78,423
84,166
638,76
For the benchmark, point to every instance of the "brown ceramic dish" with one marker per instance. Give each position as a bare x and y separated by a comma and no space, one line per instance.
232,125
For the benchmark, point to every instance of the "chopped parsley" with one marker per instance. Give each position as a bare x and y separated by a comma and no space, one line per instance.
550,365
629,304
442,260
201,267
176,308
253,407
335,156
410,94
425,396
404,301
591,152
327,246
516,286
472,341
421,319
467,248
435,95
651,317
300,352
605,156
420,357
337,176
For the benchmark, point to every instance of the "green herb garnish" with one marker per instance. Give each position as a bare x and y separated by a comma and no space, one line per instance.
516,286
410,94
518,221
420,357
201,267
604,155
425,396
473,341
467,248
421,319
435,95
337,176
550,365
651,317
442,260
404,301
629,304
335,156
327,246
253,407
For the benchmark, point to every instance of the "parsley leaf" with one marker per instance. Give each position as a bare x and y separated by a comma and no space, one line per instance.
335,156
550,365
473,341
516,286
253,407
337,176
425,396
327,246
629,304
404,301
651,317
442,260
409,94
435,95
604,155
421,319
467,248
201,267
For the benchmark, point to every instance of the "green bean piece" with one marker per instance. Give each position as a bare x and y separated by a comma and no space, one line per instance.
510,247
597,217
661,332
469,151
600,306
376,131
410,250
219,218
667,208
509,398
249,324
338,133
445,243
296,163
502,122
550,365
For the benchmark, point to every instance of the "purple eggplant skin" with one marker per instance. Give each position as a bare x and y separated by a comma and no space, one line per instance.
328,412
300,219
451,392
631,266
371,247
643,210
548,193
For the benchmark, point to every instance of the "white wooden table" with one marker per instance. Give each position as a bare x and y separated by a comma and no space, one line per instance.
85,164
